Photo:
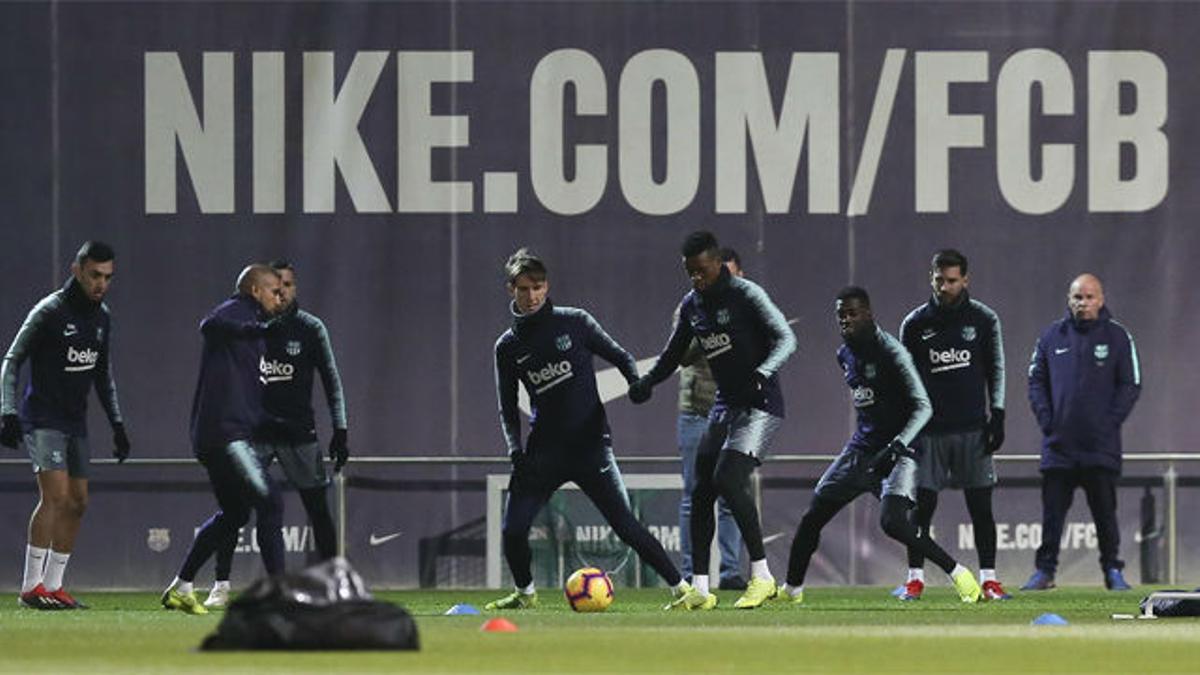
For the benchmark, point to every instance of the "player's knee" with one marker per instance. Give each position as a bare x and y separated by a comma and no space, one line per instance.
77,505
896,525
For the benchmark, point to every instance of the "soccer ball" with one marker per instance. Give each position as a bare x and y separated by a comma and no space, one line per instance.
589,590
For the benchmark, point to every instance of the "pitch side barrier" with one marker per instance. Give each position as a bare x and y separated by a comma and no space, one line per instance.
14,477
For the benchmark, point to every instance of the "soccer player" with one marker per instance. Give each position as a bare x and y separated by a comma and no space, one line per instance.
746,340
227,411
67,339
697,393
549,351
297,347
891,406
955,342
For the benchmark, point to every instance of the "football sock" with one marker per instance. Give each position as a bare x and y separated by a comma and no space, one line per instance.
678,589
958,569
983,522
808,536
35,563
700,583
182,586
921,517
987,575
56,565
793,591
527,590
758,568
221,585
732,479
317,506
916,574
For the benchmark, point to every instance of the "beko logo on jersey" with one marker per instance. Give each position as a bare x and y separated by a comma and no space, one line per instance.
716,344
83,359
949,359
274,371
863,396
551,375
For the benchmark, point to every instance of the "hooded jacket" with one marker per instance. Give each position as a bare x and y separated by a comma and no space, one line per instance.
1084,378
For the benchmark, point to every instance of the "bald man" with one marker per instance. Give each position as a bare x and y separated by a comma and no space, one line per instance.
227,411
1083,381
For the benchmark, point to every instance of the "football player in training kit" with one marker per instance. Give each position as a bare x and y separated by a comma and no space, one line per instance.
67,339
298,346
227,414
891,406
746,339
549,351
956,344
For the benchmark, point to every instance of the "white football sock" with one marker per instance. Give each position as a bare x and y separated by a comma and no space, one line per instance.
35,563
184,587
987,575
527,590
916,574
221,585
793,591
56,565
700,583
758,568
958,569
677,589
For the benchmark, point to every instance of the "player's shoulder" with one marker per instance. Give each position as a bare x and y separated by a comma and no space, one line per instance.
891,345
747,288
979,308
505,340
53,302
569,313
309,321
918,314
1119,330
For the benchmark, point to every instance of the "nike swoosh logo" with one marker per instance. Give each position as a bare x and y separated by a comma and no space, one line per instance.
69,332
1062,351
607,468
522,359
928,337
376,541
610,383
772,537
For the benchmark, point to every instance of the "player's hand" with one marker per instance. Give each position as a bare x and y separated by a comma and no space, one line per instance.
993,431
120,443
339,452
882,462
10,433
640,390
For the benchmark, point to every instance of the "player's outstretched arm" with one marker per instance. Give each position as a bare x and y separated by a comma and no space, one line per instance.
603,345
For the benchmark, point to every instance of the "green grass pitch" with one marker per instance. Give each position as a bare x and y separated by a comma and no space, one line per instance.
837,630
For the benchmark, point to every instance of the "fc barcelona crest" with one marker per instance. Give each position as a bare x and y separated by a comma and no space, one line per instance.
1101,351
158,539
723,316
968,333
293,348
563,342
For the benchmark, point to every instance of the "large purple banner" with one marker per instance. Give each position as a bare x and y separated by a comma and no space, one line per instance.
398,152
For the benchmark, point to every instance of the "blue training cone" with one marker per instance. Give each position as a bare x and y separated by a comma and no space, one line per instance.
462,609
1049,619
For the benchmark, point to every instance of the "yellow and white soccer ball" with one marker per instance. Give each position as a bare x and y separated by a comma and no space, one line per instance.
589,590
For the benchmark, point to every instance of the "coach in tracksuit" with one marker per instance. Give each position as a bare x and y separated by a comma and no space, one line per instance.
227,413
549,351
746,340
956,344
1083,381
66,339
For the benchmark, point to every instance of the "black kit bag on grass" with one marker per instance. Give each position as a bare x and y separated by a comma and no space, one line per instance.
323,607
1168,607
